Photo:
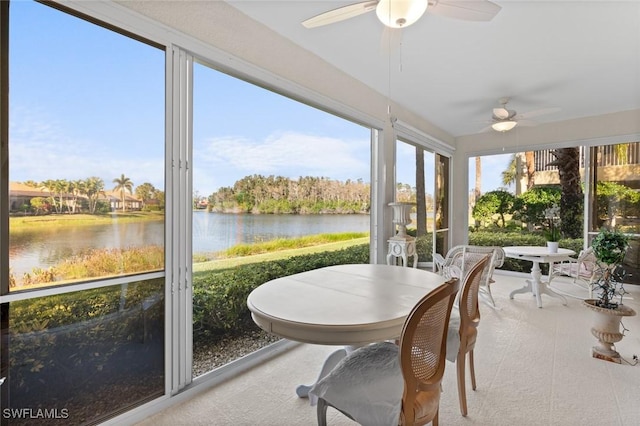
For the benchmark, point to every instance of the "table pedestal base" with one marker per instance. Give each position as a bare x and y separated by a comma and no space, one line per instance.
538,287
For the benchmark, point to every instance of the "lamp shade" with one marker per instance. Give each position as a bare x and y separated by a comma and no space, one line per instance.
504,126
400,13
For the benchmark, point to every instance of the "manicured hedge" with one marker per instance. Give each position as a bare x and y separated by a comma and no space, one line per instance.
220,297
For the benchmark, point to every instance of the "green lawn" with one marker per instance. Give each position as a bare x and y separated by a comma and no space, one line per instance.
280,254
18,223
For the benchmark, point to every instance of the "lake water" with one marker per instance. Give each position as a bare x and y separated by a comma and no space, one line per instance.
212,232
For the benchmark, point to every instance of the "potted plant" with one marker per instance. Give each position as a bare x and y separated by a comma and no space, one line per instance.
552,231
609,248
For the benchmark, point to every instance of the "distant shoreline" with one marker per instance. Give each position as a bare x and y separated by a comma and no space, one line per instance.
29,222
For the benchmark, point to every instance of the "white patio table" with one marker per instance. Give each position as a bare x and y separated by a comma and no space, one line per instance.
537,255
349,305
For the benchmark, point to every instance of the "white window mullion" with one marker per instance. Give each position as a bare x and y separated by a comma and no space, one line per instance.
185,206
178,202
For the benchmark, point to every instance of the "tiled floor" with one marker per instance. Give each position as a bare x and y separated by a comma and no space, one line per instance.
533,367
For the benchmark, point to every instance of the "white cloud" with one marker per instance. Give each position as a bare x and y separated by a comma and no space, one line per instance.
288,154
39,149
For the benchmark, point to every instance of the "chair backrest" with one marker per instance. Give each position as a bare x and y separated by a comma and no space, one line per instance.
468,304
423,350
465,256
587,263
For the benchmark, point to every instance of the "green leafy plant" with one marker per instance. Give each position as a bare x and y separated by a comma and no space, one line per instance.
552,231
610,248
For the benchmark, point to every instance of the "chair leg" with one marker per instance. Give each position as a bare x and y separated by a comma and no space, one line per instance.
472,370
462,394
322,412
488,293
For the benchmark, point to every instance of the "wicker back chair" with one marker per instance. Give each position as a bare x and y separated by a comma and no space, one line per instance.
584,270
367,386
468,316
423,355
454,261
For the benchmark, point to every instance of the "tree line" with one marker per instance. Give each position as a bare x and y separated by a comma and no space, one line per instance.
280,195
88,195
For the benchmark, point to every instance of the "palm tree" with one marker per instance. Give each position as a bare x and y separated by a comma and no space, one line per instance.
529,158
571,199
421,205
93,188
478,189
123,184
510,174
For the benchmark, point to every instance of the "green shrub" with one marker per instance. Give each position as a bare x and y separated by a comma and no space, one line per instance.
424,248
530,206
494,203
220,297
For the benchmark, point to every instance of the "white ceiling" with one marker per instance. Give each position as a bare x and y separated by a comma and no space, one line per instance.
581,57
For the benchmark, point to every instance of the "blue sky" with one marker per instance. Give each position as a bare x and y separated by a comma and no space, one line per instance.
87,102
83,102
241,129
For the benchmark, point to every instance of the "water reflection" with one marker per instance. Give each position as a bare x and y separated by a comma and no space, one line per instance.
45,247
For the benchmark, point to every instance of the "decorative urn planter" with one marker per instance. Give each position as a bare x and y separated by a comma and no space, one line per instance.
606,328
402,218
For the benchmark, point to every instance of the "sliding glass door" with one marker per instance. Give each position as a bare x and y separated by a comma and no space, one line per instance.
422,177
615,198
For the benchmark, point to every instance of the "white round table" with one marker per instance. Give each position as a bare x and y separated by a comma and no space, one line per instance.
537,255
349,305
341,305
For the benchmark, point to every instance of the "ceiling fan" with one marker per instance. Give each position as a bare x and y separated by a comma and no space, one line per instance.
504,119
402,13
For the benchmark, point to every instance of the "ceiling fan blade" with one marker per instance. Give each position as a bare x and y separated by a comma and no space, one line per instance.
470,10
527,123
340,14
501,113
539,112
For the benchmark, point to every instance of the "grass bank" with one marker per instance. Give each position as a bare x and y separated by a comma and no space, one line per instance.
21,223
282,253
279,244
118,261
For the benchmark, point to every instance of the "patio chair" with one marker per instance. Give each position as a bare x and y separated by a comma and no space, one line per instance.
464,322
367,386
583,270
455,258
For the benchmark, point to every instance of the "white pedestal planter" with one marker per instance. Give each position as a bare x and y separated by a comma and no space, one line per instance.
402,246
401,217
606,328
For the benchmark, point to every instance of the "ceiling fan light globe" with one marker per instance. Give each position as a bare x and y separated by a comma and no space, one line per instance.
504,126
400,13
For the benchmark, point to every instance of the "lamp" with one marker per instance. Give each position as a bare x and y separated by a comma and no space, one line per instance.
504,126
400,13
